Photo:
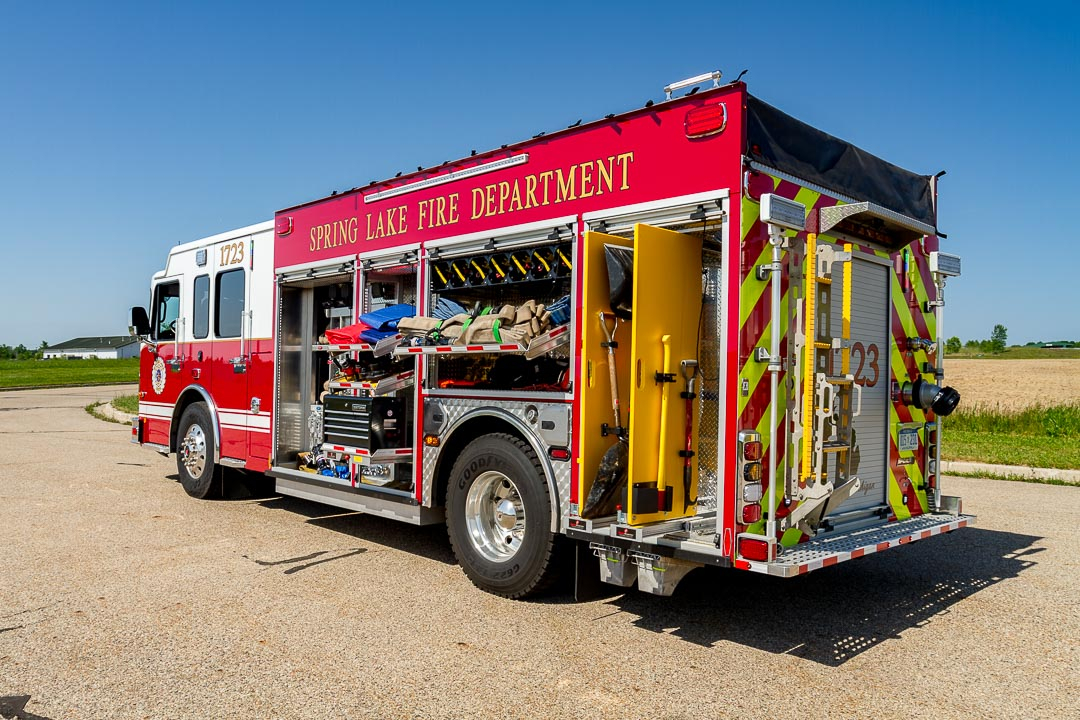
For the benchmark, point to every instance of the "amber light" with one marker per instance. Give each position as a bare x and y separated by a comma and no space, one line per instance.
431,440
705,120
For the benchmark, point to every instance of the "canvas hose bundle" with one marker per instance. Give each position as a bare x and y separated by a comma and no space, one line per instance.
506,324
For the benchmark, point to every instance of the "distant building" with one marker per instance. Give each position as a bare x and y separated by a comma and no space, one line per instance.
111,347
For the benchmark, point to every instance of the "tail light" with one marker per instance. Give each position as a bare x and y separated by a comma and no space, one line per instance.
750,489
706,120
753,549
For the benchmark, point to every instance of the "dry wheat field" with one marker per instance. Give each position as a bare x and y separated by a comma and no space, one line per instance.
1014,384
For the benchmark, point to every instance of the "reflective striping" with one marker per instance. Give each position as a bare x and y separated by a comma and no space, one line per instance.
816,553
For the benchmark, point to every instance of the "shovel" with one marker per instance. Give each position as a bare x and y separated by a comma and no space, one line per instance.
611,475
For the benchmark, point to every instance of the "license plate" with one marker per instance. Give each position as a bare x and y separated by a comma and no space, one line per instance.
908,440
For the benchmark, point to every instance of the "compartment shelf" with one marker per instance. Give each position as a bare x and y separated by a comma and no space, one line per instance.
539,345
383,347
363,456
382,386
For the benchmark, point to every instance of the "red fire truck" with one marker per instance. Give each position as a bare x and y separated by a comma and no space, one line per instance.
700,332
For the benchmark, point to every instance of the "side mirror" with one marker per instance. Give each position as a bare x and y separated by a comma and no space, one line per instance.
140,323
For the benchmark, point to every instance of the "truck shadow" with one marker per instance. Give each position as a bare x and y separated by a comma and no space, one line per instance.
832,615
429,541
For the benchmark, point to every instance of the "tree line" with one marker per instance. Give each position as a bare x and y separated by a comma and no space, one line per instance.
21,352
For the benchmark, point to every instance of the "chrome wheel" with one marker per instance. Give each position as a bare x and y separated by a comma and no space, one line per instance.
193,450
495,516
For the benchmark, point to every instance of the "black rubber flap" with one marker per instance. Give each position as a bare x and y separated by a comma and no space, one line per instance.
620,272
791,146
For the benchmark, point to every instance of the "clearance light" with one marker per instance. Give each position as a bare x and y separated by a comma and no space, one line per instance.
431,440
283,225
752,492
706,120
754,549
751,514
752,450
559,453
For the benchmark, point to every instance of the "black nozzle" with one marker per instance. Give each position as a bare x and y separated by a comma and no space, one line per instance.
928,396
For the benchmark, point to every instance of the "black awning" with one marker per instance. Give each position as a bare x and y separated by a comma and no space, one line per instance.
791,146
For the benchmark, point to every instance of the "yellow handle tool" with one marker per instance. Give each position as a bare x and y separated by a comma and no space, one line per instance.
661,474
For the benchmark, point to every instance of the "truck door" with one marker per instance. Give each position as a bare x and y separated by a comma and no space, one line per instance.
870,365
230,372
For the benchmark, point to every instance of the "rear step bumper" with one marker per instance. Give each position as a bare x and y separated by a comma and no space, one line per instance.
825,551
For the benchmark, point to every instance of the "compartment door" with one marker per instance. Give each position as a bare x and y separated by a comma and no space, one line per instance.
667,301
594,383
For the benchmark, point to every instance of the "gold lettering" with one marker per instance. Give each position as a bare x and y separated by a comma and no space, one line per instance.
586,179
565,189
504,195
477,203
454,217
403,226
489,206
546,177
369,235
515,197
422,210
605,174
624,160
530,191
311,245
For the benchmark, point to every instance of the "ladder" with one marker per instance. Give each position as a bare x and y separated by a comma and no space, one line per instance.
822,402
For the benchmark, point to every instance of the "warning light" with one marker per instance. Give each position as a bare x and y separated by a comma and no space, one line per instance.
283,225
559,453
752,450
754,549
751,514
706,120
431,440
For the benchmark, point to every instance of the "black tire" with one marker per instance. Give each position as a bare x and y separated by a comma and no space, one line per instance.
528,568
195,426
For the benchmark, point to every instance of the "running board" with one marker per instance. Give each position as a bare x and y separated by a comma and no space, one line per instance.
395,506
825,551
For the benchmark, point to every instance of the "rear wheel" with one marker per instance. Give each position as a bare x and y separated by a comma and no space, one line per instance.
498,516
196,451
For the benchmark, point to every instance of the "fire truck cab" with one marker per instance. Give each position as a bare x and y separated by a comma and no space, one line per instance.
697,333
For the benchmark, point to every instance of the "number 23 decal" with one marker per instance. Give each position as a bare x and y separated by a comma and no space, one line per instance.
868,360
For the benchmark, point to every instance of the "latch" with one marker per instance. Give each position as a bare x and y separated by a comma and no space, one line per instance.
239,364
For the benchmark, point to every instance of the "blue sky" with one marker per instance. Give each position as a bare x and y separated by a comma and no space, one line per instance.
126,128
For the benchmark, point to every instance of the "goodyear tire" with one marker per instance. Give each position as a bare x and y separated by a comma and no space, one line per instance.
498,516
196,452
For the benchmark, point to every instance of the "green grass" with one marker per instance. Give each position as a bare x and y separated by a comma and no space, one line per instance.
51,373
1020,353
127,403
1047,437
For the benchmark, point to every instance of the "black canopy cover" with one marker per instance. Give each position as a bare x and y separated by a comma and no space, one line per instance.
791,146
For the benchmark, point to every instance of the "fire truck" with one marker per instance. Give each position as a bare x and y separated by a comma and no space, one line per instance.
698,333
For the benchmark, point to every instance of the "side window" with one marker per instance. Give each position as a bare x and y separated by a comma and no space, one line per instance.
166,310
202,307
229,303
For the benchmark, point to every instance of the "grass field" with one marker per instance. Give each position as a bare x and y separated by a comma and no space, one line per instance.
1038,436
1022,353
49,373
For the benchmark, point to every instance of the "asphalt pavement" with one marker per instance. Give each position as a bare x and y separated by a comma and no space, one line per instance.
121,597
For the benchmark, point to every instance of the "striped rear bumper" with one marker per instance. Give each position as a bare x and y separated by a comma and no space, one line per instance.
830,550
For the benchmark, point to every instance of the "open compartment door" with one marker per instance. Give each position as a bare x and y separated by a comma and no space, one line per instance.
667,303
595,382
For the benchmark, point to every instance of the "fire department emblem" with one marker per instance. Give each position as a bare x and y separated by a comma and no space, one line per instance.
157,376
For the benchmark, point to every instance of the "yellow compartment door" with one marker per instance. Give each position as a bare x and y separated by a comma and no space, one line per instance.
667,301
595,383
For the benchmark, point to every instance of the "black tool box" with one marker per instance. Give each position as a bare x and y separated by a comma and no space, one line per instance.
370,423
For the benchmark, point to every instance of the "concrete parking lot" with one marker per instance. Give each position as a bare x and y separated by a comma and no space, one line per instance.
122,597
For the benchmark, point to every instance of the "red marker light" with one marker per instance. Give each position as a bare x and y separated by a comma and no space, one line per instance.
283,225
754,549
706,120
751,514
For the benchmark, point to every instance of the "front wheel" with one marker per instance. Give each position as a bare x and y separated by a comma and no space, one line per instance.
196,451
499,517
